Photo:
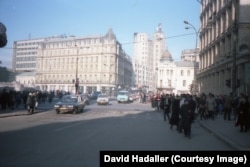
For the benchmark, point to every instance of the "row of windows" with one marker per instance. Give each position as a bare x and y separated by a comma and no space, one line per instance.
26,65
170,72
74,43
27,43
21,59
169,83
26,48
26,53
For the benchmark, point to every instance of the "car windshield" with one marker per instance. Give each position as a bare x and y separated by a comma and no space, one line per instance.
69,99
102,96
123,93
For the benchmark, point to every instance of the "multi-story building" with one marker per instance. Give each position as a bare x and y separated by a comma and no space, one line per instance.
225,47
83,64
24,55
190,55
147,55
142,61
176,77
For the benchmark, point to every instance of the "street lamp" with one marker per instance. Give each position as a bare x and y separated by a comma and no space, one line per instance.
76,81
195,51
196,32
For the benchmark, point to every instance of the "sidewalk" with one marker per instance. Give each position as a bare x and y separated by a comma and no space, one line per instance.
22,111
226,131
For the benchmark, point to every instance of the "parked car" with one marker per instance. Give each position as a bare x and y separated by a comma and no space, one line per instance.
102,99
85,98
69,103
124,96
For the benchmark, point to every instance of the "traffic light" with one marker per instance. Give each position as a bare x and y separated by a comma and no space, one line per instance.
228,83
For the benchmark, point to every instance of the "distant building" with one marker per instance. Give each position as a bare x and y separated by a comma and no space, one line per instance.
24,55
25,80
94,63
190,55
156,71
176,77
147,54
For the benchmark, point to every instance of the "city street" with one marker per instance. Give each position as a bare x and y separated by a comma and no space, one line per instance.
48,139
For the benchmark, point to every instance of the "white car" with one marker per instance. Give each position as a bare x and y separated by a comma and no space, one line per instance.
102,99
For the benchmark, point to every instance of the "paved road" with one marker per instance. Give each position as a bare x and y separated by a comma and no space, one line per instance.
48,139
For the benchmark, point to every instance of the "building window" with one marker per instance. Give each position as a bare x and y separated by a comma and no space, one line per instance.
188,73
182,72
184,83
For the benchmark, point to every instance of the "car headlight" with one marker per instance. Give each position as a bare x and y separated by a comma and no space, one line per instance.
56,106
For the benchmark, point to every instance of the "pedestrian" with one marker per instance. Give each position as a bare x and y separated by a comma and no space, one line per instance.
243,113
166,108
4,99
187,118
158,101
228,107
192,105
31,103
220,105
202,107
211,105
182,102
174,119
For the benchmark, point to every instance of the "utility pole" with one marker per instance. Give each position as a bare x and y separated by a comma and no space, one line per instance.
235,38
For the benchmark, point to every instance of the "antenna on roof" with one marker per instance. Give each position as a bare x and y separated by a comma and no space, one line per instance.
29,35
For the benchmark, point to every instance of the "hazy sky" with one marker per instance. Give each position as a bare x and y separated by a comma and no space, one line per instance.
45,18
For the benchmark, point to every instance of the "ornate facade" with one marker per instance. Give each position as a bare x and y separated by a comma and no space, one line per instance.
91,63
225,47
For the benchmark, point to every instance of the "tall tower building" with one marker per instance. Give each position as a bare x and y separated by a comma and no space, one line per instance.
141,61
147,55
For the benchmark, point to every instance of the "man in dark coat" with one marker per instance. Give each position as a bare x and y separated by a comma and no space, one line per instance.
31,103
174,119
166,107
243,114
187,118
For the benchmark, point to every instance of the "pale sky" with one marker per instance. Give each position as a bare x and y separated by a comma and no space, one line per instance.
46,18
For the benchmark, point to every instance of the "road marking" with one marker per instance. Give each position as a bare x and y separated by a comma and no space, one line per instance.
69,126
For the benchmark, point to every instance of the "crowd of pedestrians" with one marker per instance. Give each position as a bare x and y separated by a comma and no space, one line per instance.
181,111
14,100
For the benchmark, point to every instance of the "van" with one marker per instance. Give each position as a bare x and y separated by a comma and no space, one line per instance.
124,97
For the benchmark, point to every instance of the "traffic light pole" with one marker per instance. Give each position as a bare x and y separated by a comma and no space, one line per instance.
234,69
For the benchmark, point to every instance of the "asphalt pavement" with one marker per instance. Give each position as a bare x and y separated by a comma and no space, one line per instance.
225,130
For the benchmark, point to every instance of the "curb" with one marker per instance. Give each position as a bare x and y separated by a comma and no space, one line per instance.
220,136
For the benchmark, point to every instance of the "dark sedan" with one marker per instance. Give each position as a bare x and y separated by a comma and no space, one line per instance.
70,103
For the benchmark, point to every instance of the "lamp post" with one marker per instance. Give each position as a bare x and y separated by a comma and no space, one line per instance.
193,87
196,32
77,79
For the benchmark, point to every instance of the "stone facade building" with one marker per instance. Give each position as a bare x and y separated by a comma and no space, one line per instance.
225,47
83,64
176,77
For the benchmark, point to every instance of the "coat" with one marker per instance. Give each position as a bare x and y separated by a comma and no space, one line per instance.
243,113
174,119
186,115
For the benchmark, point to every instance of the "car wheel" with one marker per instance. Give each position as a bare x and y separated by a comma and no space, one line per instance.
75,111
57,111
